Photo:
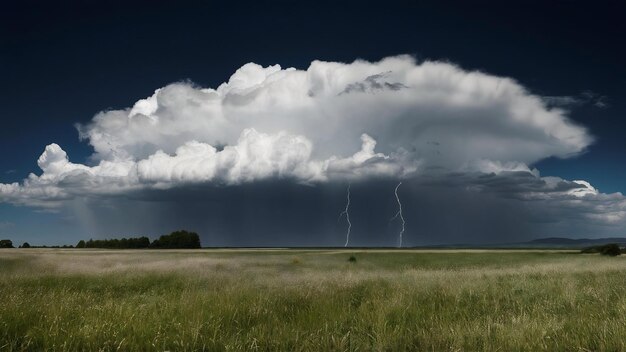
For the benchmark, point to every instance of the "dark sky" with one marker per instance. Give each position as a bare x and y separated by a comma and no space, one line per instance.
62,63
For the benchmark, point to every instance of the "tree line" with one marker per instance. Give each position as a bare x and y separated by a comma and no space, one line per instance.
138,242
611,249
178,239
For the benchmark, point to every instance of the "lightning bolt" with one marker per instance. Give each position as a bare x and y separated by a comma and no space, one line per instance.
399,213
347,214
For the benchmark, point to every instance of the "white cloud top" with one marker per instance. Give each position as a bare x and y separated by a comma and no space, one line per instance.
434,110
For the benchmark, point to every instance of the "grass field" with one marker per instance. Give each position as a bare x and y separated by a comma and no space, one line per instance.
299,300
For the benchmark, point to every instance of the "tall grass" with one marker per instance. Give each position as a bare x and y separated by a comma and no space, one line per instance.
61,300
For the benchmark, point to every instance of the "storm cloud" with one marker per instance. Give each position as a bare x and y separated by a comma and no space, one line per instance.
464,142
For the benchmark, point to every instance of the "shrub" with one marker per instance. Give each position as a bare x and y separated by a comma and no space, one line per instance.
352,259
25,245
611,249
6,244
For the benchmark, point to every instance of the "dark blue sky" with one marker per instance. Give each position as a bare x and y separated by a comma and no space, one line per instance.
62,63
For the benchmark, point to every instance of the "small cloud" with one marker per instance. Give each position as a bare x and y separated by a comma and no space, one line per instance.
12,171
586,97
601,104
597,100
561,100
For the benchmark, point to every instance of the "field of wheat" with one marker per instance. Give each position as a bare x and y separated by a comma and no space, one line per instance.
311,300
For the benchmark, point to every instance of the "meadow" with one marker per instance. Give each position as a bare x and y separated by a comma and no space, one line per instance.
311,300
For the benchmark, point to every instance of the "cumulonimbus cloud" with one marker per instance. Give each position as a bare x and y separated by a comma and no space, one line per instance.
395,118
434,110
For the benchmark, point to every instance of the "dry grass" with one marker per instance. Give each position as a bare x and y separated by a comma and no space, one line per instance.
311,300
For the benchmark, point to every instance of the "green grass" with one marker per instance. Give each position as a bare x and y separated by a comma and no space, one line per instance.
288,300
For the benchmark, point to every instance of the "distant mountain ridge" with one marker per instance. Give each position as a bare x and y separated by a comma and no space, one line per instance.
547,242
573,242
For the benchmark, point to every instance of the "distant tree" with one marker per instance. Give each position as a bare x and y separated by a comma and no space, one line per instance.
611,249
138,242
80,244
6,244
177,239
25,245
